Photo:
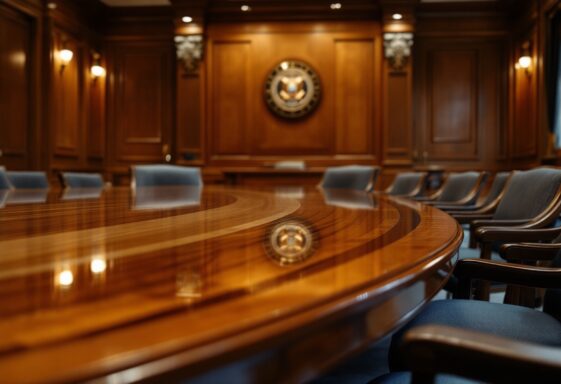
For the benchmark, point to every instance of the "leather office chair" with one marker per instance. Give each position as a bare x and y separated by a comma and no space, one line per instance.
408,184
4,182
532,200
81,180
486,341
28,179
360,177
491,200
458,189
165,175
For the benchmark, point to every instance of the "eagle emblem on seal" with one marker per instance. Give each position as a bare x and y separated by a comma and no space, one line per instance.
292,89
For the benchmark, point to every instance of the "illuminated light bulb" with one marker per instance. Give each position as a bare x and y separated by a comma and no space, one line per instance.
336,6
65,56
525,62
397,16
97,71
66,278
245,8
98,265
187,19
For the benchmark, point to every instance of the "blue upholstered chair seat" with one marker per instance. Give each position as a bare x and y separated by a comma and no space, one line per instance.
82,180
510,321
405,378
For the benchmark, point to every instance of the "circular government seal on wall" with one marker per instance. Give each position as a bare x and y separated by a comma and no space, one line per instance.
292,89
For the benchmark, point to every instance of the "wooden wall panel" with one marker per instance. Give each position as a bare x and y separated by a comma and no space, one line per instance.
141,110
189,119
96,119
345,126
354,95
66,112
398,129
231,97
15,84
525,134
459,97
452,91
272,135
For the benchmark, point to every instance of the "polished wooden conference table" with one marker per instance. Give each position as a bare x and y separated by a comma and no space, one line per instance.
249,285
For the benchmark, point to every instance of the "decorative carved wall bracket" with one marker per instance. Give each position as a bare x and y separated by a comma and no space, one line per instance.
190,51
397,48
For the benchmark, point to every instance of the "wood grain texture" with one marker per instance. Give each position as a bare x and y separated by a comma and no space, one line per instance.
67,85
345,127
459,98
118,289
140,101
15,80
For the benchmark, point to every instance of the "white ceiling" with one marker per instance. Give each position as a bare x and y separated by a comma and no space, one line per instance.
135,3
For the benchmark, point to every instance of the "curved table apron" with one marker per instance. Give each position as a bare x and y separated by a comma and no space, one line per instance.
161,284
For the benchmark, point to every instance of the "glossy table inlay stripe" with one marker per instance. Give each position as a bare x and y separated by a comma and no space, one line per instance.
135,278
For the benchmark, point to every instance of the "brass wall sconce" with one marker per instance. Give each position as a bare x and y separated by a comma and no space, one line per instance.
97,70
525,60
65,56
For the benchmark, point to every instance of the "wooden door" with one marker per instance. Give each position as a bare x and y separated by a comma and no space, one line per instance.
458,97
142,112
15,82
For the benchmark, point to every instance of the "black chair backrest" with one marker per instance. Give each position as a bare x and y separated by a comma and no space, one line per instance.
499,183
360,177
459,185
528,194
28,179
154,175
82,180
405,183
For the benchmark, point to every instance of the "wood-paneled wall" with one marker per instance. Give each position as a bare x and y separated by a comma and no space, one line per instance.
458,114
141,91
344,128
459,101
16,108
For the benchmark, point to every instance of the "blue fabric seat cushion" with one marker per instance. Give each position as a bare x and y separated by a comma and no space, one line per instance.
505,320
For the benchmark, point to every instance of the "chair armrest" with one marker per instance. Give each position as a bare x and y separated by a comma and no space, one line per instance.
423,198
514,234
467,218
498,223
467,270
432,349
529,251
460,209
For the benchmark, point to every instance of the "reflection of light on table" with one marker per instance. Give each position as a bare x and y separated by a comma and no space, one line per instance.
290,192
98,265
188,284
65,278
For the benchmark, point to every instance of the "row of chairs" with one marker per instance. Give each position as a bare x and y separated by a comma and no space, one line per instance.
511,231
143,175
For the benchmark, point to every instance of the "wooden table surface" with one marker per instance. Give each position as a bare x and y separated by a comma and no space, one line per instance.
168,283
